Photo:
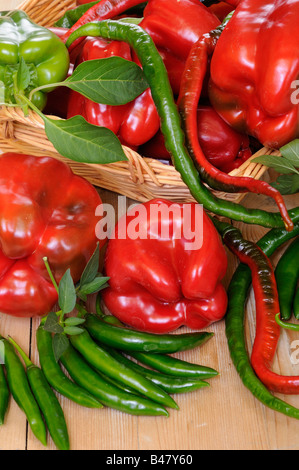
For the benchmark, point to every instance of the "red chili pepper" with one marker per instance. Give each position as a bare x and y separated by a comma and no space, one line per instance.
191,86
254,71
267,306
105,9
223,147
134,123
45,211
159,279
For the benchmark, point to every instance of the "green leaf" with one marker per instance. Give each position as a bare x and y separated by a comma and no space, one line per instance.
130,20
280,164
78,140
60,344
23,75
72,16
73,330
113,80
95,285
91,268
67,296
290,151
287,184
74,321
52,323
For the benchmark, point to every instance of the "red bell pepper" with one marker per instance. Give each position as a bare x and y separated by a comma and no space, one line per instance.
159,280
221,10
223,147
254,70
45,211
134,123
174,26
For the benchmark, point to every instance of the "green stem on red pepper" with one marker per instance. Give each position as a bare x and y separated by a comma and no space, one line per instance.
157,78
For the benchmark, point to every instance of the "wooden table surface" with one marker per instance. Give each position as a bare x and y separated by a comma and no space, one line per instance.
224,416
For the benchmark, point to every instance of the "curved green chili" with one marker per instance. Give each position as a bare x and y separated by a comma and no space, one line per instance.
127,339
47,401
101,360
4,395
107,393
55,376
169,383
157,78
287,275
234,321
21,392
170,365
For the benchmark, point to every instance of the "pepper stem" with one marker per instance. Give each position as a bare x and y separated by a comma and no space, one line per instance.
45,259
44,87
23,355
287,326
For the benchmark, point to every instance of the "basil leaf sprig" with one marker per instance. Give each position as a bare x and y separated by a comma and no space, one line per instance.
287,164
112,81
70,297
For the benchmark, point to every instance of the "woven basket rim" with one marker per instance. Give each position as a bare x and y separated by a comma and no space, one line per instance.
147,175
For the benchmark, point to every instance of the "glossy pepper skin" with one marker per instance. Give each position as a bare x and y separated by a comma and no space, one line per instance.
174,26
45,55
134,123
254,68
46,211
223,147
159,281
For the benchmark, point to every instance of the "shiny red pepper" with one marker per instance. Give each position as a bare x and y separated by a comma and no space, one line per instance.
223,147
134,123
174,26
161,276
45,211
254,71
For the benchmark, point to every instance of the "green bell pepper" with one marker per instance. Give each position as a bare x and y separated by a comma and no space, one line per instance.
30,56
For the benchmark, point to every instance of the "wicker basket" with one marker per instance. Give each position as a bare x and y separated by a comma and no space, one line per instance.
138,178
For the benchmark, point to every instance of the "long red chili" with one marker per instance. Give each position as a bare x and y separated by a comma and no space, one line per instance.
104,10
190,91
267,306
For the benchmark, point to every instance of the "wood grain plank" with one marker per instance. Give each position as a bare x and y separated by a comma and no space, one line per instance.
225,416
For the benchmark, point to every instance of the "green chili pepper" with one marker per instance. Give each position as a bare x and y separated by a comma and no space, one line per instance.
126,339
157,78
168,383
287,275
237,294
296,304
30,56
55,376
47,401
101,360
20,389
286,325
4,395
105,392
175,367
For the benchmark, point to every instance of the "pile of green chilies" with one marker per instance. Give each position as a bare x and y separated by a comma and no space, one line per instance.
101,374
